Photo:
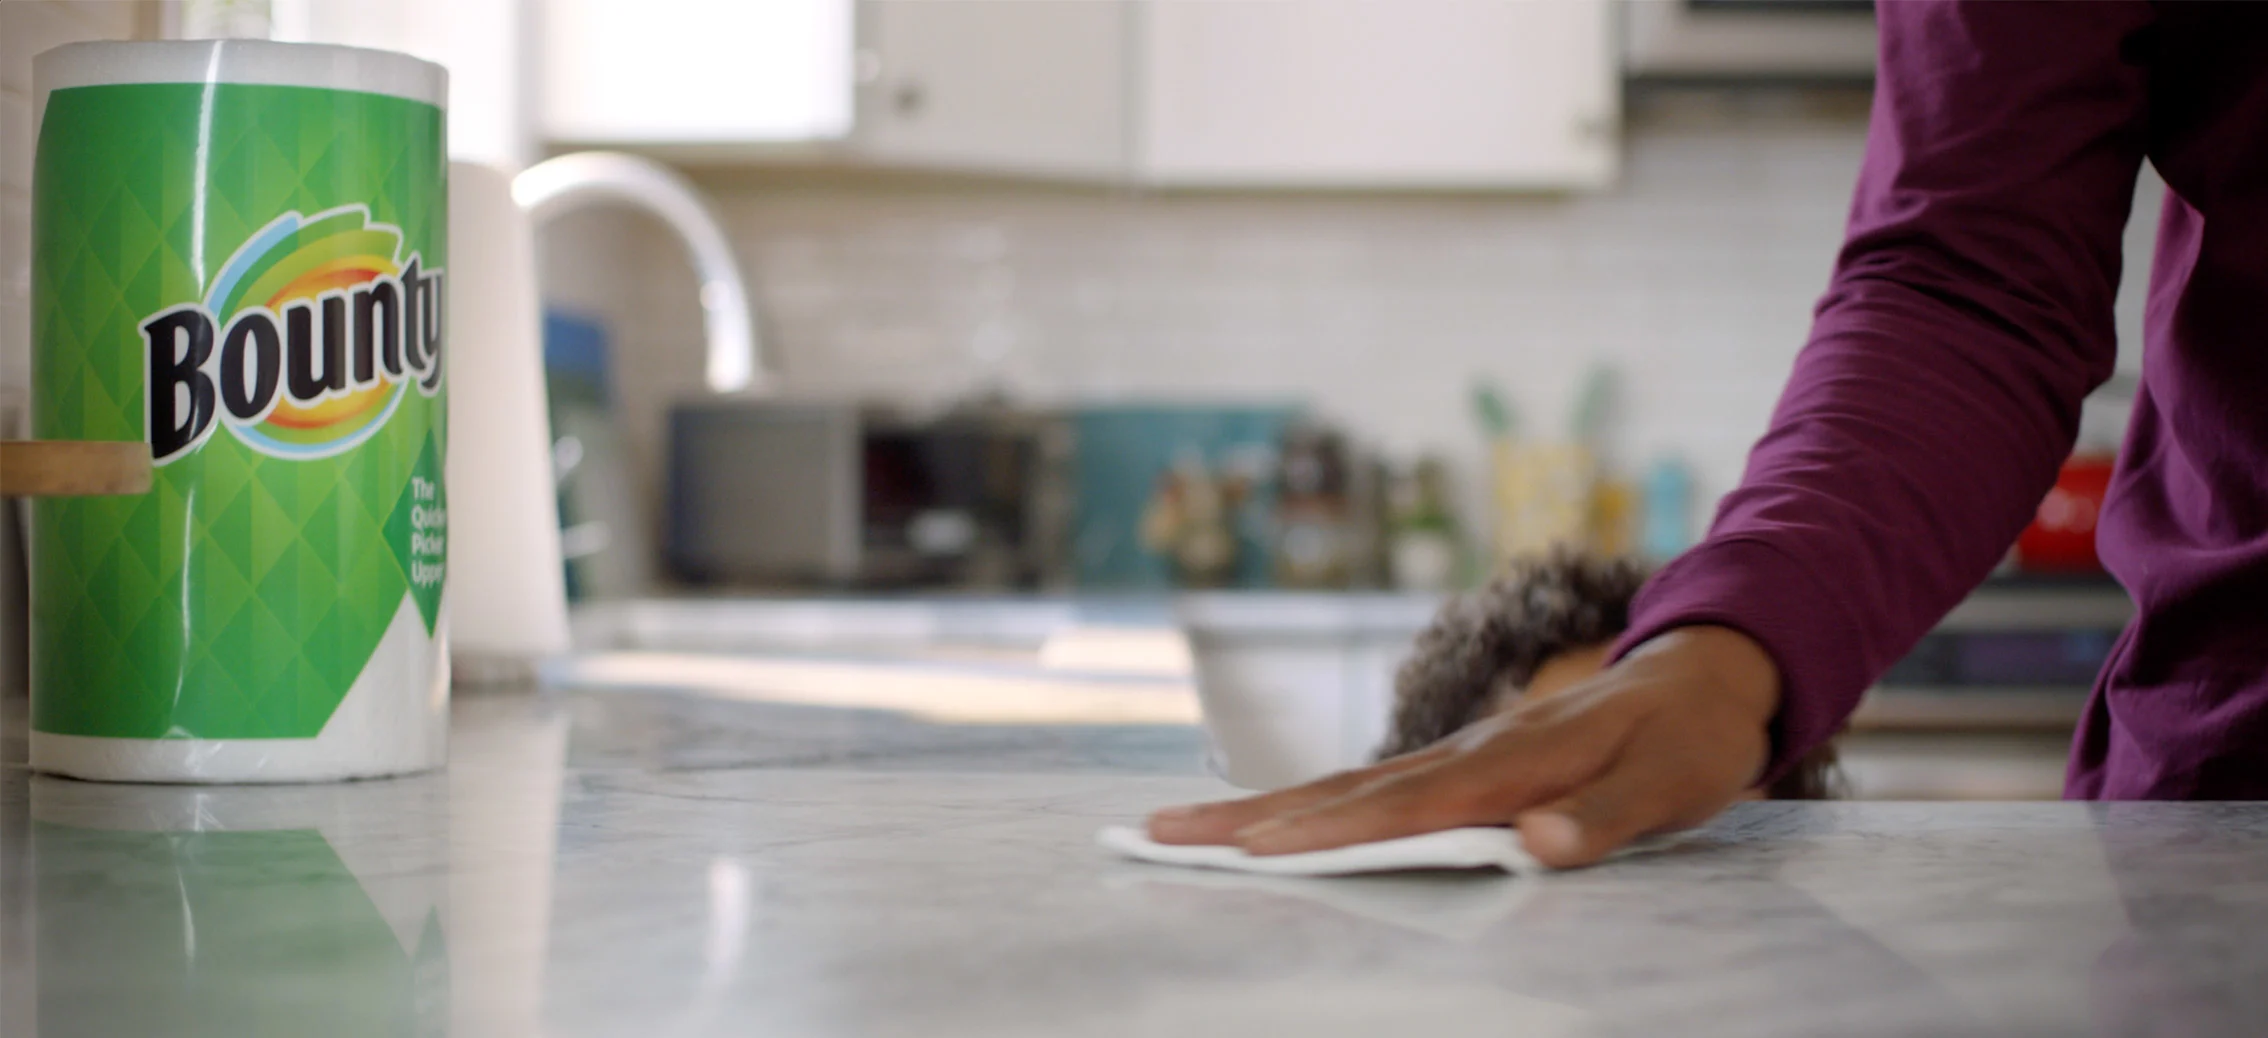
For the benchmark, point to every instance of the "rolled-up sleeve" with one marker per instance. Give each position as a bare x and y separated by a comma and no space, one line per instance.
1968,316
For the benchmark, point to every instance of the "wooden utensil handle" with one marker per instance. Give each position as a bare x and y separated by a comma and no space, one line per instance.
73,468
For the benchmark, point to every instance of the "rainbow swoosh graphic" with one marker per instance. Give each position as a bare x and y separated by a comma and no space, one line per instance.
295,258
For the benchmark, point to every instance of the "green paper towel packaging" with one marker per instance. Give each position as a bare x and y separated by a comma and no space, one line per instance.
239,256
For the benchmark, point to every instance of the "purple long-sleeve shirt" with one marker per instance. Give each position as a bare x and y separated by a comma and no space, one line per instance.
1969,314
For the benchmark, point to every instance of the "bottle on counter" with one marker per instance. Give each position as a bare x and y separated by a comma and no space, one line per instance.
1668,523
1425,551
1315,541
1191,522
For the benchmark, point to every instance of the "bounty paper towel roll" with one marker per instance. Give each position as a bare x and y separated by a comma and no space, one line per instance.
240,256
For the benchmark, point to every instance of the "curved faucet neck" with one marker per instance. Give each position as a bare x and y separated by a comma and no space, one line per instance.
569,182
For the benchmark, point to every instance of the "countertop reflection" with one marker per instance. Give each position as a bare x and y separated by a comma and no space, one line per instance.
647,864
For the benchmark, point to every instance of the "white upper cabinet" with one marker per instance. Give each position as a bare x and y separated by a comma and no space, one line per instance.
1378,93
695,71
1014,86
483,44
1515,94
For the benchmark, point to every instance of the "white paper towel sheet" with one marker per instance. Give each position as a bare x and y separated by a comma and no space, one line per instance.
504,564
1472,848
1478,847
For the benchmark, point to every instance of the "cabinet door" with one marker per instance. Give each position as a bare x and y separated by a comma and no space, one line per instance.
695,71
1013,87
1377,93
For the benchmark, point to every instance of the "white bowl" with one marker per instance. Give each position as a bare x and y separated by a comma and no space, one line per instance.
1296,686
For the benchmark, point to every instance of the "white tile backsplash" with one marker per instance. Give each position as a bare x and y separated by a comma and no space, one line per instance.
15,142
15,229
1695,278
30,26
15,365
26,28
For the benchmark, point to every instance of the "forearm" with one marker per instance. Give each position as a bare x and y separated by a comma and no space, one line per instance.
1968,317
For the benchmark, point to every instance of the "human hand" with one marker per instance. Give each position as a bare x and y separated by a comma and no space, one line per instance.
1662,740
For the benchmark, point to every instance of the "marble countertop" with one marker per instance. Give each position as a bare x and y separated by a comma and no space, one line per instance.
651,865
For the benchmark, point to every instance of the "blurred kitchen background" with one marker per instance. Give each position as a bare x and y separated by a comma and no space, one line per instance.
1316,307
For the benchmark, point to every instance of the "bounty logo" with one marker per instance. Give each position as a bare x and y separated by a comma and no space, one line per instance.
303,347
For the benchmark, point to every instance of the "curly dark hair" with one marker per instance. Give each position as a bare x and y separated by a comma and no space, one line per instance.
1486,646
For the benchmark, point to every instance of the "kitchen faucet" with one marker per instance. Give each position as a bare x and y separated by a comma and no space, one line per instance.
550,188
